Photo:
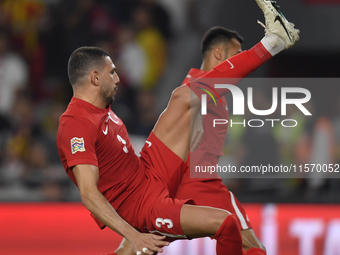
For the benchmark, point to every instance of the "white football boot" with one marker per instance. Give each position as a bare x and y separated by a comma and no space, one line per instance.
276,23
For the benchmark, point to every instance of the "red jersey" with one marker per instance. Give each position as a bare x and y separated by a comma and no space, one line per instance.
94,136
136,187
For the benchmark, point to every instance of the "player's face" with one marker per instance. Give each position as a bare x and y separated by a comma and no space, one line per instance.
109,82
233,48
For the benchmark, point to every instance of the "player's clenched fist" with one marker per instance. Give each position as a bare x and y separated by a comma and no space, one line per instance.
147,243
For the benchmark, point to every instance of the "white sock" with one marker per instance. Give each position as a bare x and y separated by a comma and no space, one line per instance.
273,44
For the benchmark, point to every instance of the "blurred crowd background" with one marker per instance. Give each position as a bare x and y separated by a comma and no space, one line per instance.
154,43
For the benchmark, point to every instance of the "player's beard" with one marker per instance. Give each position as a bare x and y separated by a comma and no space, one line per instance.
107,94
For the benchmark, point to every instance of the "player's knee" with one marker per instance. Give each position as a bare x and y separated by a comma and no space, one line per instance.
181,95
185,97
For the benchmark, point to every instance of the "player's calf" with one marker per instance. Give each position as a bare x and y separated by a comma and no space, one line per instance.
200,221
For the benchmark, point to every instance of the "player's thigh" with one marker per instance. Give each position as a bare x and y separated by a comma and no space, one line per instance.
174,124
124,248
201,221
250,240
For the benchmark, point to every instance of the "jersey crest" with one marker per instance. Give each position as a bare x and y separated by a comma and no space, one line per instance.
77,144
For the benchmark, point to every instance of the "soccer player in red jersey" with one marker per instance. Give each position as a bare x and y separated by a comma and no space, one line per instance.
130,195
124,192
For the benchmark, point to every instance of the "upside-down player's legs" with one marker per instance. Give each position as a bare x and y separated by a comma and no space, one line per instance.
176,122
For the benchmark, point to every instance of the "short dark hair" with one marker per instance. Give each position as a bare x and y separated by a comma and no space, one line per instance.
82,59
217,35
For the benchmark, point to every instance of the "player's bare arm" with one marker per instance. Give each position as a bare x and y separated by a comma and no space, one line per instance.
87,178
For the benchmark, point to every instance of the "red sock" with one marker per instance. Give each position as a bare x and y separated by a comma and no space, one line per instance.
228,238
113,253
256,251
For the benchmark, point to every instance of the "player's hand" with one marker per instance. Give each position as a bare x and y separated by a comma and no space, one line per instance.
148,243
197,134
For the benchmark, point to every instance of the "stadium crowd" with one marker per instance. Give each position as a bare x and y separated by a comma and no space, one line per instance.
36,39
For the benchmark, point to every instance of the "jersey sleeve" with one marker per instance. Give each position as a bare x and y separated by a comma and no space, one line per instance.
77,141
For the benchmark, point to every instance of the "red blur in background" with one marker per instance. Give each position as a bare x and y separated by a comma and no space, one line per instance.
56,228
67,228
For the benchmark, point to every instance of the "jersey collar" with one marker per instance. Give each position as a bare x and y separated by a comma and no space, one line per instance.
89,107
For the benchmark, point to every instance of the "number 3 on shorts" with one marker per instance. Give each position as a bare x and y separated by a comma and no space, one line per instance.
164,222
